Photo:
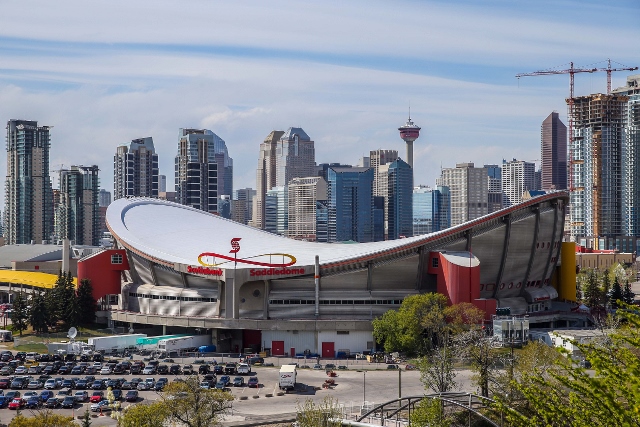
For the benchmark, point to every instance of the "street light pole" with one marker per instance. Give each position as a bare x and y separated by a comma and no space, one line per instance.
364,387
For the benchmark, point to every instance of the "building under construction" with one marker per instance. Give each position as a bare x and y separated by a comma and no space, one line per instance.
599,150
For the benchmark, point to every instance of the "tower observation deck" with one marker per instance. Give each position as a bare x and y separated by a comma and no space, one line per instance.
409,132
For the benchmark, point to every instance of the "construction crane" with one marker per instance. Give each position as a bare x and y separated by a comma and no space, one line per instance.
572,71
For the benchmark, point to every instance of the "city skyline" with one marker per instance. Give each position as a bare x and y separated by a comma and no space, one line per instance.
93,82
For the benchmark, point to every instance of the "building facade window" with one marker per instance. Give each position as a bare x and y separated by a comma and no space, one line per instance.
116,259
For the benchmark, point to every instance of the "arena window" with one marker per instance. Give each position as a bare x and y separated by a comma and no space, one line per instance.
116,259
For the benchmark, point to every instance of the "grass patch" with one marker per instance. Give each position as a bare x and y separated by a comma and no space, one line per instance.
40,348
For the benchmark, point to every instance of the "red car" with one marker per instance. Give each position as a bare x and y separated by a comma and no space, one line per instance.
4,382
16,403
97,396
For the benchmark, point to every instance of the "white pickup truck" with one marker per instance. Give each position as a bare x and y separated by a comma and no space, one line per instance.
243,369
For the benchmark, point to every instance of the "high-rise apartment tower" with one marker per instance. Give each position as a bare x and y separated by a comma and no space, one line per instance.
468,188
28,196
265,177
518,176
77,214
135,169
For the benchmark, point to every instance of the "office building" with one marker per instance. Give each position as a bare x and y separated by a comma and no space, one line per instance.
77,215
430,209
295,156
277,211
169,196
350,203
600,155
323,168
518,176
265,177
469,191
104,198
553,154
364,162
303,197
379,158
196,167
246,196
395,184
631,157
494,187
239,211
135,169
28,211
162,183
224,206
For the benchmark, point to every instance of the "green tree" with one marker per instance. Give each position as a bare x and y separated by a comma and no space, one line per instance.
152,415
615,293
592,295
71,312
43,419
628,295
86,303
86,418
38,316
51,303
20,313
566,394
605,287
191,406
430,413
324,414
415,327
480,350
437,370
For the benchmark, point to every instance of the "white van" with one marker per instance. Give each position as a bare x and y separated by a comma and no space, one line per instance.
31,355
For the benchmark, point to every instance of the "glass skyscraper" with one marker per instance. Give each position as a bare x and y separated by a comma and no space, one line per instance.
77,214
135,169
430,209
350,200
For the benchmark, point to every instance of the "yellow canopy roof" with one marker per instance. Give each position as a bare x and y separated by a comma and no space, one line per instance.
30,278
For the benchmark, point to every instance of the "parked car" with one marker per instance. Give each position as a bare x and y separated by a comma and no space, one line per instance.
204,369
12,394
117,394
142,386
221,385
4,401
175,370
52,403
205,384
17,403
131,396
81,384
97,396
100,406
187,370
149,370
81,396
97,385
29,394
4,383
69,402
45,395
33,403
218,369
238,382
253,382
34,385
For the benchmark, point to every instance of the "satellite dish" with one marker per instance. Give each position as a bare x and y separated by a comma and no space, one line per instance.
73,332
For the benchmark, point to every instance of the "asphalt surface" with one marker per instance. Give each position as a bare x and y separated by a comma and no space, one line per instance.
361,381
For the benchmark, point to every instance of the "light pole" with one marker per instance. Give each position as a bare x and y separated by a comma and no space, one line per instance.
364,387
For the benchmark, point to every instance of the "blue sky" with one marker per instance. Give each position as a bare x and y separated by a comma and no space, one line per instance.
105,72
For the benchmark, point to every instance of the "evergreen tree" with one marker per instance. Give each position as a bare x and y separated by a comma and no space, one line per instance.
628,295
615,294
591,292
52,307
68,301
86,302
38,316
20,314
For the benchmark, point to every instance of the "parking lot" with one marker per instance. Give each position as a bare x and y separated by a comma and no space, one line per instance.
354,383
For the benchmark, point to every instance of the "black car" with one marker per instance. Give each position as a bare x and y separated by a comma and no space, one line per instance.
119,369
127,385
52,403
230,368
97,357
64,370
163,369
159,385
135,369
48,370
81,385
204,369
67,383
97,385
77,370
117,394
84,358
69,402
113,384
175,370
131,396
218,369
44,358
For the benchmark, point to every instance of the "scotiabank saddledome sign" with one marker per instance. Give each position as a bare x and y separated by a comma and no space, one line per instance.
278,263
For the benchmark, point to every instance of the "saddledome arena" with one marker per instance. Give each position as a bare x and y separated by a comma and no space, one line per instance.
251,289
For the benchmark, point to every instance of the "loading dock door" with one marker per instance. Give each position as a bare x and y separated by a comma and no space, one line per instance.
328,350
277,348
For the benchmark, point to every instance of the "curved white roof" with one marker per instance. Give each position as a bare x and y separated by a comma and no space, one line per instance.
175,233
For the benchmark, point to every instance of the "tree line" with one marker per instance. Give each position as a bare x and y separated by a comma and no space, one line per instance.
57,308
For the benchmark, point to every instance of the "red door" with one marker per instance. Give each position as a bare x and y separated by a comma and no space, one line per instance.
328,350
277,348
292,353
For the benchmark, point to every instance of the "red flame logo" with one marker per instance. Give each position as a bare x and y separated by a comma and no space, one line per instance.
235,246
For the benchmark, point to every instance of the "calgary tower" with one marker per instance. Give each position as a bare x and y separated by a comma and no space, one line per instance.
409,132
